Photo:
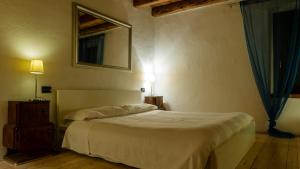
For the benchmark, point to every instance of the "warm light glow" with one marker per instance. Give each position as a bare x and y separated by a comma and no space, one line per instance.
36,67
148,68
30,54
31,47
149,73
149,77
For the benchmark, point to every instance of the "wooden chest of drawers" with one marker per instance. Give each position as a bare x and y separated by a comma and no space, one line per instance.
28,128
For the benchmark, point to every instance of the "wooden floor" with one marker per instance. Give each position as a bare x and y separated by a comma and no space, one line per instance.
266,153
272,153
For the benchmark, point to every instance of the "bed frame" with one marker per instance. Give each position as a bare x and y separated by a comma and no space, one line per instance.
227,155
68,100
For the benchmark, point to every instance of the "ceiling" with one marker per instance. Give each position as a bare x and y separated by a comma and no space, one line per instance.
166,7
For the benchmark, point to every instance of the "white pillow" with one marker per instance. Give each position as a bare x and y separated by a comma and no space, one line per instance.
83,114
139,108
108,111
96,113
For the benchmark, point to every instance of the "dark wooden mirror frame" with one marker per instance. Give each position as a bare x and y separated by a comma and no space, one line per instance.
80,8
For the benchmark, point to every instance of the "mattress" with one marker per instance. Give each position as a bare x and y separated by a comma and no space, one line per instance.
156,139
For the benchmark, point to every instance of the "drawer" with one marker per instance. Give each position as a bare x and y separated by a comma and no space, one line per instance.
35,139
33,114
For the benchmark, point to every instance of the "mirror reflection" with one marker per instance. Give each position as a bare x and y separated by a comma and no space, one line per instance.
102,41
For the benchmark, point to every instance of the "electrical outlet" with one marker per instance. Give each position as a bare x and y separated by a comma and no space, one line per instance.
46,89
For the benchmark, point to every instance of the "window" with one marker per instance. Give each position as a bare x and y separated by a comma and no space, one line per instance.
91,49
282,31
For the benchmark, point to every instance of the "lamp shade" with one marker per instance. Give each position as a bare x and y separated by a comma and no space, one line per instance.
36,67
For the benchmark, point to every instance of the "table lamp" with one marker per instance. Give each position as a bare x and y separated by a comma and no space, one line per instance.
150,78
36,68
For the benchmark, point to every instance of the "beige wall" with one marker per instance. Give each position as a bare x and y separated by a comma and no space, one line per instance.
42,29
202,63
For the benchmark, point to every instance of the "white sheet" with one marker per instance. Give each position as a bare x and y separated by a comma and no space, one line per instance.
155,139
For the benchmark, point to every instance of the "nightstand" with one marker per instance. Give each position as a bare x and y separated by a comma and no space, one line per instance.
155,100
28,133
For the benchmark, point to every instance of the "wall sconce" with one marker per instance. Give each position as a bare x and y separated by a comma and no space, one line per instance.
36,68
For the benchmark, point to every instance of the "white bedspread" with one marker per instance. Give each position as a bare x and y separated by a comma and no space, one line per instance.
155,139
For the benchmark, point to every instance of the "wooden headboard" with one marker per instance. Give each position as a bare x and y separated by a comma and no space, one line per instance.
69,100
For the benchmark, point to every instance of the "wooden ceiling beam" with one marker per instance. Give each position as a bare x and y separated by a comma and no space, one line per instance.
96,21
97,29
183,5
148,3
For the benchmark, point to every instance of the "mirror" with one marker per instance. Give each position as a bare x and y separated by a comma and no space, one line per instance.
99,40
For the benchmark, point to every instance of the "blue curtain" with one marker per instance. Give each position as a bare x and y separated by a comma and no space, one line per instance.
91,49
275,71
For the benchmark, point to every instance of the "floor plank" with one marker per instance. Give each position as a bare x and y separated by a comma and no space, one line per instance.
266,153
298,150
265,156
292,157
280,153
248,160
67,160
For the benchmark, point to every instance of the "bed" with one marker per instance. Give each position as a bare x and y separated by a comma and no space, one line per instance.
155,139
